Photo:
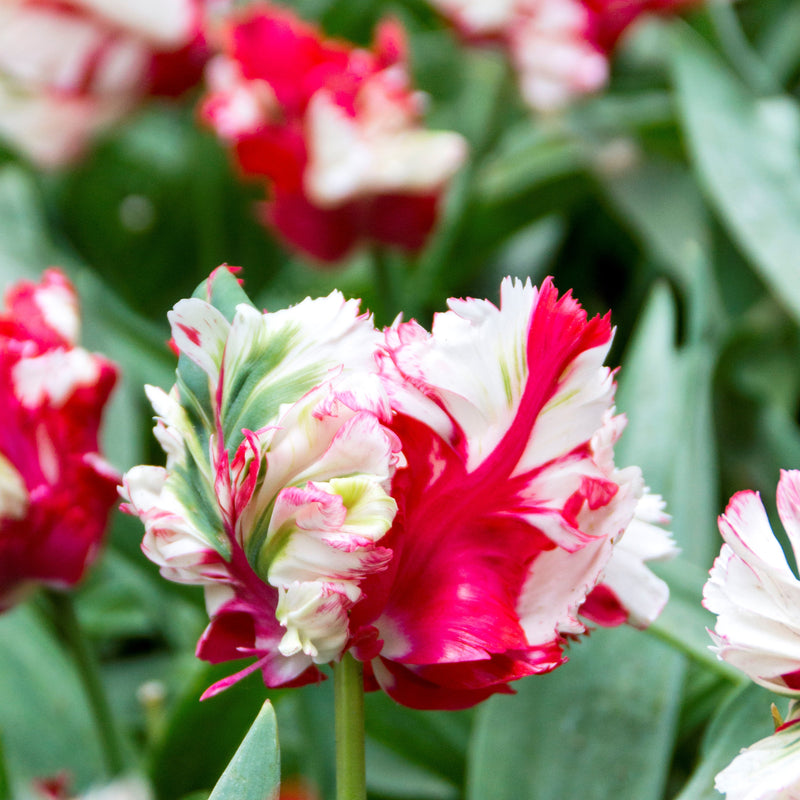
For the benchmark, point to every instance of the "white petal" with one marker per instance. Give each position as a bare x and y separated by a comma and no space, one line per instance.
200,331
767,770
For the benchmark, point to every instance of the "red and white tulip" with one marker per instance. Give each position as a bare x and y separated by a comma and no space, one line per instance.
510,507
335,131
56,491
444,506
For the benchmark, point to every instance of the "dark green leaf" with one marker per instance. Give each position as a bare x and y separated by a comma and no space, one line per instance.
741,721
44,718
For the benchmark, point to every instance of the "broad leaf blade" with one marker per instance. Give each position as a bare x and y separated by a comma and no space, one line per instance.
741,721
254,772
748,161
611,711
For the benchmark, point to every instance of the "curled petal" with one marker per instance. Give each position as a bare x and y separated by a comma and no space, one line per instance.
754,593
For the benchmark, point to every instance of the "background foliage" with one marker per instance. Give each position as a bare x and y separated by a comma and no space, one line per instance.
673,199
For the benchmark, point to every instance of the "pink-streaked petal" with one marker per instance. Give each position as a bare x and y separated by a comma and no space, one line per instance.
767,770
789,507
745,527
200,331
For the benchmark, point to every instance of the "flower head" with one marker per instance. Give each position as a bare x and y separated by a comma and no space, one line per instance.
510,508
334,130
561,48
55,489
70,69
274,496
450,567
754,593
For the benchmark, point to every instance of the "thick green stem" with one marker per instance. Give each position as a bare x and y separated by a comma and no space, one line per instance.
66,621
348,684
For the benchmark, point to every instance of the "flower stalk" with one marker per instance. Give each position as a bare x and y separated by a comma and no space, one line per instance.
348,682
62,610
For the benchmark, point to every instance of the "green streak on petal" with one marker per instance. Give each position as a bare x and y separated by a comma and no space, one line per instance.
195,492
506,382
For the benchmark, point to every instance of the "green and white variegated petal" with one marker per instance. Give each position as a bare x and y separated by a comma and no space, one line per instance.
316,622
172,540
326,532
275,358
200,332
321,437
767,770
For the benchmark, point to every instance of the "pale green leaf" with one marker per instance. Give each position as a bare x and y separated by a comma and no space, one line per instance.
600,727
254,772
748,160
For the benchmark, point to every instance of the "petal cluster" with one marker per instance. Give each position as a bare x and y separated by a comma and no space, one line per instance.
561,48
755,594
510,507
55,489
70,69
274,496
444,505
333,129
767,770
756,597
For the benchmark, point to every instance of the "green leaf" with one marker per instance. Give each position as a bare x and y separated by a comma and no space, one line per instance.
600,727
44,718
666,392
742,720
255,772
433,740
5,785
684,621
182,760
391,776
747,158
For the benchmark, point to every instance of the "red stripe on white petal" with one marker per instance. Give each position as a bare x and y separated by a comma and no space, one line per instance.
200,332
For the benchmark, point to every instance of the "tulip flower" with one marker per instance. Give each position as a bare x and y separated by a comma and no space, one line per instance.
445,507
768,769
511,511
334,130
754,592
68,70
56,491
756,597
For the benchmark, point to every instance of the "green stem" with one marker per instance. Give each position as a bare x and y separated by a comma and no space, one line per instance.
348,685
387,301
5,788
66,621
